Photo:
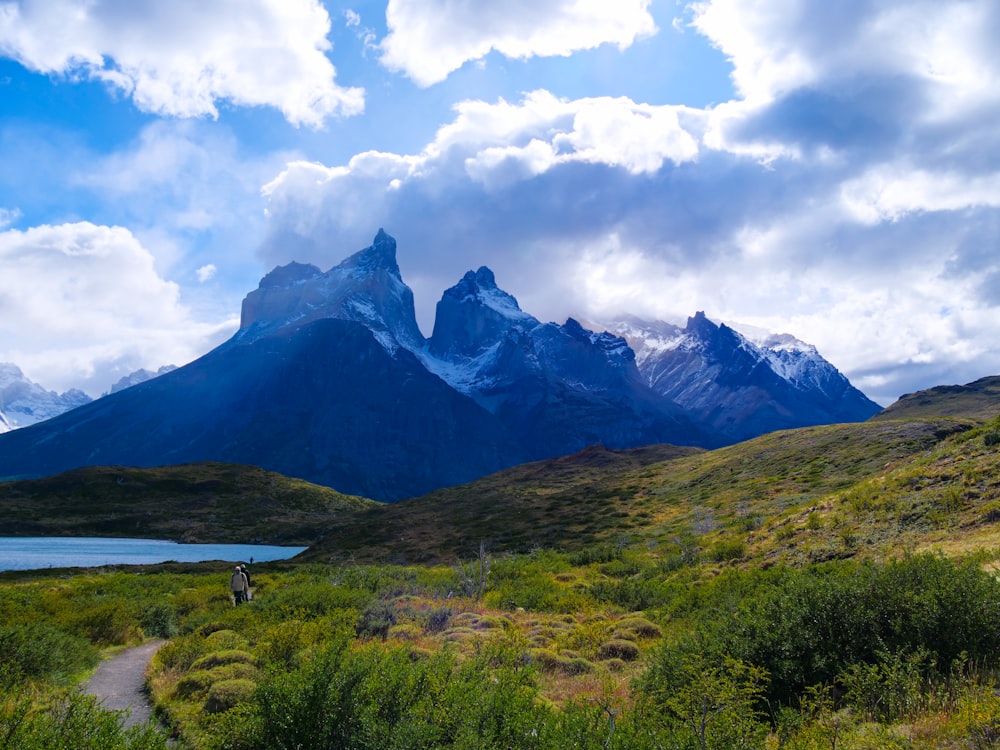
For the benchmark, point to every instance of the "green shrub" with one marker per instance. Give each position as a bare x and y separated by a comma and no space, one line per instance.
107,624
76,721
619,649
181,653
890,689
39,650
194,684
197,684
600,553
374,698
158,619
285,643
637,627
376,620
227,694
219,658
438,619
725,550
222,640
809,625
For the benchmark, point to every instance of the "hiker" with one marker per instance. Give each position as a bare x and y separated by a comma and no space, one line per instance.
246,572
239,586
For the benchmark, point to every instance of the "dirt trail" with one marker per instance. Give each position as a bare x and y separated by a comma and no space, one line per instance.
118,682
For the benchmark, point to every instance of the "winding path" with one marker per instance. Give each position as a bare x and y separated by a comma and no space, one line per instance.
118,683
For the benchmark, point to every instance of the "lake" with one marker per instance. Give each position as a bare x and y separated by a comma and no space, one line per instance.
31,553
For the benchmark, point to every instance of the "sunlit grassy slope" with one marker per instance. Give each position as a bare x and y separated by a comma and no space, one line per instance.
978,400
800,495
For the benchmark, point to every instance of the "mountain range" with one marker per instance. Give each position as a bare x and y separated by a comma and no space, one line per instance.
329,379
24,402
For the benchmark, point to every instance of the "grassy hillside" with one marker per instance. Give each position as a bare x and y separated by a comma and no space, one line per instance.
204,502
759,596
746,499
979,400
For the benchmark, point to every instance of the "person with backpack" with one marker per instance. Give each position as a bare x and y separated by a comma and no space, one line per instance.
246,572
239,585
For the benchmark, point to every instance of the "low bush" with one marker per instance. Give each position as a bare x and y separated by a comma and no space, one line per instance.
222,640
75,722
41,651
619,649
637,627
220,658
228,694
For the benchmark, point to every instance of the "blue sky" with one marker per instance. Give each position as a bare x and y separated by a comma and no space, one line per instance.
828,170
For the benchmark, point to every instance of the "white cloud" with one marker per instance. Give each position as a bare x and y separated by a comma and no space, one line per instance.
181,58
206,272
428,39
888,194
8,216
92,295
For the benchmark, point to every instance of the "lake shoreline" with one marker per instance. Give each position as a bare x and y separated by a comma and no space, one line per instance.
48,553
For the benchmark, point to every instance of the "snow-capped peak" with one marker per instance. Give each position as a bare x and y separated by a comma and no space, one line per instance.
24,403
366,287
481,286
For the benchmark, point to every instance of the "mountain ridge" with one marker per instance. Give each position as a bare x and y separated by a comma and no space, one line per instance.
330,380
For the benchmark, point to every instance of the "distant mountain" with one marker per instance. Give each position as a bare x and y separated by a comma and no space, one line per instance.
24,403
139,376
330,380
737,387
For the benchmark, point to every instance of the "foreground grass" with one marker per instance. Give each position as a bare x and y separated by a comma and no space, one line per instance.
823,588
543,650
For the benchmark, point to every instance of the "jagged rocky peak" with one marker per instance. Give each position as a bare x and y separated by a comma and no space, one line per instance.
379,256
474,315
366,287
700,325
293,273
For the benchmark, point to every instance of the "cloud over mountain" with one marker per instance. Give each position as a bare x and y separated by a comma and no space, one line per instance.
801,206
93,293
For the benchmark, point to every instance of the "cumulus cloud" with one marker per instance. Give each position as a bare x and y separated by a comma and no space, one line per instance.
92,293
429,40
851,196
182,58
206,272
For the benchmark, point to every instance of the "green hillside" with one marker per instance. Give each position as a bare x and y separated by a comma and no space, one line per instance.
828,587
979,400
748,498
203,502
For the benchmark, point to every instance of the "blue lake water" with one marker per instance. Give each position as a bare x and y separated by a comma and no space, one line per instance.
31,553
